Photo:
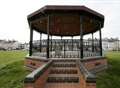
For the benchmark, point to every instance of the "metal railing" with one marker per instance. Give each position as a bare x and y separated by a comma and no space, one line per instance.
66,48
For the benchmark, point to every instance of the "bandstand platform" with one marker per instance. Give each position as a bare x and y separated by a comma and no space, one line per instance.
65,63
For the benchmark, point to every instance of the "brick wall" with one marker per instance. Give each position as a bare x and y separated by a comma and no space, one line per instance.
82,81
94,62
38,78
34,63
90,85
85,84
87,79
40,82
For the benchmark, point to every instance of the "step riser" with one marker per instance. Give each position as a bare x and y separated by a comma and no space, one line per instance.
64,61
64,65
63,80
63,72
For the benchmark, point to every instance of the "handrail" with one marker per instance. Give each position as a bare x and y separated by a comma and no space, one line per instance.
89,77
98,69
32,77
37,58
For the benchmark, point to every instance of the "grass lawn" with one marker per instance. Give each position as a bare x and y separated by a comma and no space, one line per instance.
111,77
7,57
12,71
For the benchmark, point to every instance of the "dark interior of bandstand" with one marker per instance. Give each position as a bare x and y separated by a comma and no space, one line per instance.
64,63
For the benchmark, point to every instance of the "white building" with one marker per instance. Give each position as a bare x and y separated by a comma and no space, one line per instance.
111,44
9,45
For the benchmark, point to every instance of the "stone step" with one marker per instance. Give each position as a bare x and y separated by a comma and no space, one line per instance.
64,65
65,60
62,85
63,71
63,68
63,75
63,79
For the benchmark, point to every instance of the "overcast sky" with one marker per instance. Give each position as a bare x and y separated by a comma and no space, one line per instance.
13,16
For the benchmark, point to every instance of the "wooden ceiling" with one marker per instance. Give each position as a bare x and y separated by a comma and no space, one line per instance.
64,23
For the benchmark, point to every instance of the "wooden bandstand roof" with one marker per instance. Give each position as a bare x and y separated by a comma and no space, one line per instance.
65,20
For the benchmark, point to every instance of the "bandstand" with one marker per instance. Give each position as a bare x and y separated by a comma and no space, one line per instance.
78,58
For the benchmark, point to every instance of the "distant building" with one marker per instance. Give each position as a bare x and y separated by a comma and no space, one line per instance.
112,44
24,46
9,45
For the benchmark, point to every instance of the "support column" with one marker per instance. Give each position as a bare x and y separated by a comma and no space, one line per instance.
61,47
61,43
31,40
100,40
64,48
51,46
92,43
40,42
81,37
72,43
54,48
48,27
